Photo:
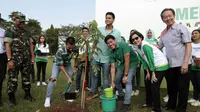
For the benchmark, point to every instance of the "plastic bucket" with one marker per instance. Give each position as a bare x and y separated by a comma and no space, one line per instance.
108,104
109,92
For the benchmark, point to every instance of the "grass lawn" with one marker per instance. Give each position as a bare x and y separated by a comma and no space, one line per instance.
40,92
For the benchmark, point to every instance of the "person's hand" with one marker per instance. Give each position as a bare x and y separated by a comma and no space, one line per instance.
147,76
32,60
184,68
153,77
11,64
113,84
69,80
194,57
125,79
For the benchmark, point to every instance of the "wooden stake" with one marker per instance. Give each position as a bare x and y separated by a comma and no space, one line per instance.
84,78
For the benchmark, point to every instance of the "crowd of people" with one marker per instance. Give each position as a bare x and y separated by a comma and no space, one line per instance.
175,57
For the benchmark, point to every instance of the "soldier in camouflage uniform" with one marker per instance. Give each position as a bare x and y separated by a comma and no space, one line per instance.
17,44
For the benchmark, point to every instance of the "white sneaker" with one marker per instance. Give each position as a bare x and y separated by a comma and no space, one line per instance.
38,83
136,92
88,88
132,93
70,100
124,90
77,90
191,100
196,103
44,83
117,93
99,89
47,102
166,97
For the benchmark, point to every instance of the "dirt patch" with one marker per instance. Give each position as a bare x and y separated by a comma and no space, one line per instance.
68,108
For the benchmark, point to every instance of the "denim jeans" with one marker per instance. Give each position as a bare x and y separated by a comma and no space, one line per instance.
95,75
118,78
81,68
55,72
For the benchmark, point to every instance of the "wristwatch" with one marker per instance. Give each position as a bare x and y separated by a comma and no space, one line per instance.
9,59
126,75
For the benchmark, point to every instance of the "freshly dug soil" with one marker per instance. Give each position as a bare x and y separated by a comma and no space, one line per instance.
68,108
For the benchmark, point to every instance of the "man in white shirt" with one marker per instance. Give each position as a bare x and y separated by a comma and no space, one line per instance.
3,60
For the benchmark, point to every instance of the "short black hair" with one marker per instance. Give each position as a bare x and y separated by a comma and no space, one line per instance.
70,40
137,33
196,30
109,37
111,13
167,9
85,28
132,30
123,38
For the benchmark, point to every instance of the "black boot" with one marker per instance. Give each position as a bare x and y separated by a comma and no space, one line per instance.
33,80
12,99
126,108
1,103
28,96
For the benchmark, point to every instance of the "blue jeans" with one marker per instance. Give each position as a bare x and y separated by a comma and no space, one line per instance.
55,72
95,75
118,78
81,67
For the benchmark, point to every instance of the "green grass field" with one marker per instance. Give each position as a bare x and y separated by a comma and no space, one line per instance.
40,92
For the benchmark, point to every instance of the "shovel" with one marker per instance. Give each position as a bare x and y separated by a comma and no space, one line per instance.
69,95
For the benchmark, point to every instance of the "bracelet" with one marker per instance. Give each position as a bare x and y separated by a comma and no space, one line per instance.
126,75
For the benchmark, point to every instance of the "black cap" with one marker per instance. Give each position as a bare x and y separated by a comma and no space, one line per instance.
1,19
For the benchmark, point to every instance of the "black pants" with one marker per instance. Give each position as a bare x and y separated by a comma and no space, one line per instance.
3,65
136,78
41,66
195,79
178,86
167,72
147,84
32,72
155,88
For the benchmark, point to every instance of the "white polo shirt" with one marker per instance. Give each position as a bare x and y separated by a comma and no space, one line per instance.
2,34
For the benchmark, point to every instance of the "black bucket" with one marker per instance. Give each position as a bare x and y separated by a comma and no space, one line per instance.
70,96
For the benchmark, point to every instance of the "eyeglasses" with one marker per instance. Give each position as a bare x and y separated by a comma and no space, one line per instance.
133,39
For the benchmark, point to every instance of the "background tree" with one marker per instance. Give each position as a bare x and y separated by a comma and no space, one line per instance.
75,31
52,38
34,28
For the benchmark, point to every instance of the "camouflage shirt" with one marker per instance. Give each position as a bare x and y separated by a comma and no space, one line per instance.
62,57
18,37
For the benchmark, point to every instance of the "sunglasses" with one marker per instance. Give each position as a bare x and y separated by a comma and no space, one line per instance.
133,39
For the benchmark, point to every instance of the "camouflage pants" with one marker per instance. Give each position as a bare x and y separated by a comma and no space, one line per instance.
22,64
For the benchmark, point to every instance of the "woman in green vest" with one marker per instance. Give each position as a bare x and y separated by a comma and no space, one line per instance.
157,64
